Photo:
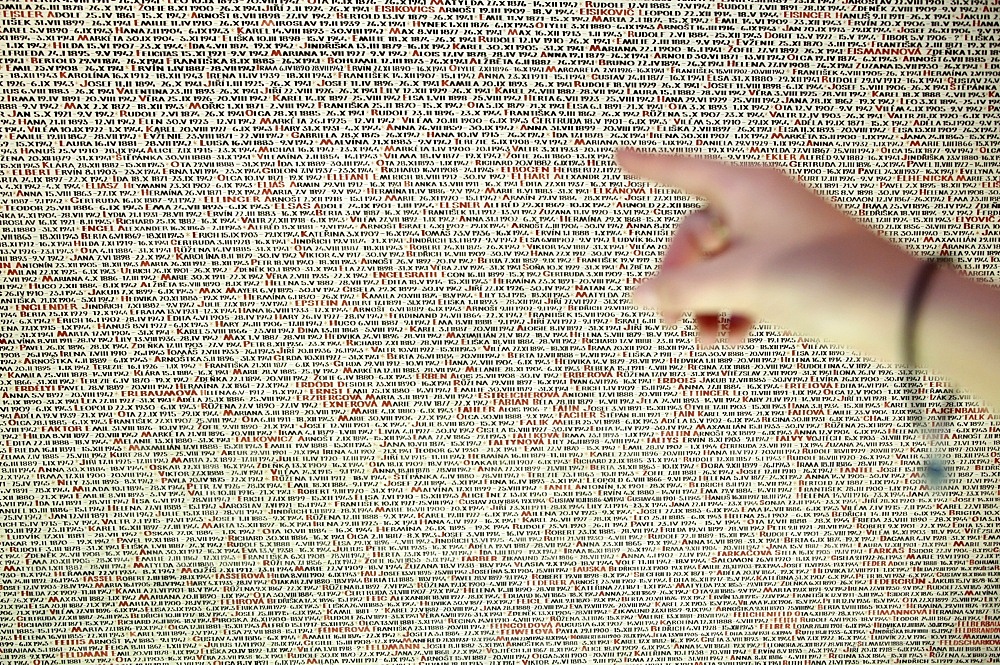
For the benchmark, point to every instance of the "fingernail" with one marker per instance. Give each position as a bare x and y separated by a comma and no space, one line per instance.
644,296
716,235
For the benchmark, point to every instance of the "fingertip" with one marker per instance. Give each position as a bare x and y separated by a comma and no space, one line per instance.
668,319
645,296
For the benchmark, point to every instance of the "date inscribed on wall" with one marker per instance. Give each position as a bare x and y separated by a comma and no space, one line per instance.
318,346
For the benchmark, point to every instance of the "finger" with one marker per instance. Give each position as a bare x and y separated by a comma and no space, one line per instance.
684,249
709,285
708,178
698,236
670,318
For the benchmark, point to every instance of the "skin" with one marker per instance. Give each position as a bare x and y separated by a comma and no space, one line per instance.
786,255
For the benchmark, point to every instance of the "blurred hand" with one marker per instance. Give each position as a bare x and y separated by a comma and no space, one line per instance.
767,247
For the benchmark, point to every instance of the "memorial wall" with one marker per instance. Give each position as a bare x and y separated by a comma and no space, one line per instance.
318,345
